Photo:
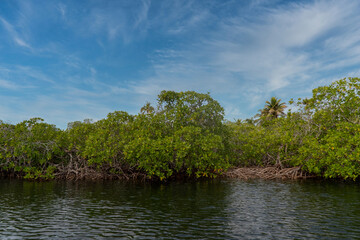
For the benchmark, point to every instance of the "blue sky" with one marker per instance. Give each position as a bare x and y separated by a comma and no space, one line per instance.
71,60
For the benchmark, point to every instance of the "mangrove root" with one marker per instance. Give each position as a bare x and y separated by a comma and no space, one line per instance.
267,173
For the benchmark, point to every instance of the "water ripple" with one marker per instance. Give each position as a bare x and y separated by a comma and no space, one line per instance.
230,209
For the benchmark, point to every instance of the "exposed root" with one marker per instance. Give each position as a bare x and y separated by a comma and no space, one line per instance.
80,170
267,173
93,174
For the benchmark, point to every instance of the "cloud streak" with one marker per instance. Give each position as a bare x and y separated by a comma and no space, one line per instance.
85,59
14,35
287,47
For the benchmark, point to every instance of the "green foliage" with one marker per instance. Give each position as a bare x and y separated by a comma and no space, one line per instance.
335,155
184,135
75,136
338,102
105,144
187,150
323,136
29,147
332,148
272,110
191,109
273,143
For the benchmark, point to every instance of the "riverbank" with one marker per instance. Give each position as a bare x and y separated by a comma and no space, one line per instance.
243,173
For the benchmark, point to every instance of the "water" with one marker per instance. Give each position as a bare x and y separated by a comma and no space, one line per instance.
218,209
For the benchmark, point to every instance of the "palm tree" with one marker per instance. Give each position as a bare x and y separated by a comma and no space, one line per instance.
273,109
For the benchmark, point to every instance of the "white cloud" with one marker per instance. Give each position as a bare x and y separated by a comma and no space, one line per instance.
32,74
242,56
14,35
142,15
21,42
272,48
62,9
8,85
286,47
113,21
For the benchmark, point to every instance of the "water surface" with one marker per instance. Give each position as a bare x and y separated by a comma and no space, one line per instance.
214,209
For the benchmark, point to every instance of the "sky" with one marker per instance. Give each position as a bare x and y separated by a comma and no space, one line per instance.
65,60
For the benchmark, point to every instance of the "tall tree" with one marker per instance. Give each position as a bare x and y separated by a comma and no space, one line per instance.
273,108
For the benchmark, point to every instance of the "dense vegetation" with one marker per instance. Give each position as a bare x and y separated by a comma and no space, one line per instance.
322,136
186,135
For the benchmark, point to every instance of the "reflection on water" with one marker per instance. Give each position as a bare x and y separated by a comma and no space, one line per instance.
218,209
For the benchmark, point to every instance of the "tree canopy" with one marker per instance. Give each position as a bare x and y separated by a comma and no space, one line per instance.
185,136
273,109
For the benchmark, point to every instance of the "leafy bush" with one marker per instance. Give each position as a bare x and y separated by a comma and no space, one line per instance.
30,147
274,142
332,148
184,135
105,144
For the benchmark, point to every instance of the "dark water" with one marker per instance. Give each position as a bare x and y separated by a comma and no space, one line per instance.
221,209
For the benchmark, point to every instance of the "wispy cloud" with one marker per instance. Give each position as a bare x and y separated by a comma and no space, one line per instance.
112,21
287,47
4,84
142,15
13,34
274,48
62,9
82,60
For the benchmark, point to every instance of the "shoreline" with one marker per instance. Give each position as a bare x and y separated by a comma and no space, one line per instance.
243,173
267,173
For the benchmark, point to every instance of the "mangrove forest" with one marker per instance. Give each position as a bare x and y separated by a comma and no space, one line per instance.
186,136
